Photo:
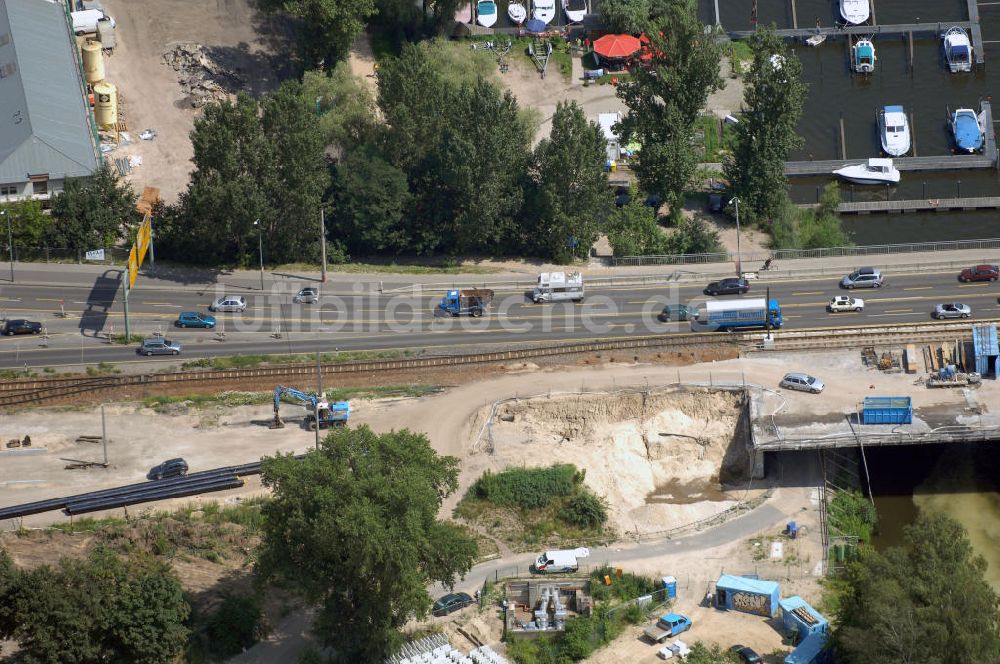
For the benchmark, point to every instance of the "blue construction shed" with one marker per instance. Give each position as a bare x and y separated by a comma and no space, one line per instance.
741,593
887,410
812,650
800,618
987,350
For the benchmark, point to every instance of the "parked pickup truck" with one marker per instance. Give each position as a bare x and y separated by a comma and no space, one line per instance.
668,625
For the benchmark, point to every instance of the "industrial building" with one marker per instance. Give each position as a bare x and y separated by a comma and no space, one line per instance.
47,132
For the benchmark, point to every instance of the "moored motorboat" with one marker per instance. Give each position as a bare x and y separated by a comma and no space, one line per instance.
517,12
957,50
863,56
816,39
575,10
894,131
543,10
486,13
967,130
874,171
855,12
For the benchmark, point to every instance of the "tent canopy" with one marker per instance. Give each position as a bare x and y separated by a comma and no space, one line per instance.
616,46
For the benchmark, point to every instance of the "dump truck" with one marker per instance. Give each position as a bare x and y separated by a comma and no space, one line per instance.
469,302
670,624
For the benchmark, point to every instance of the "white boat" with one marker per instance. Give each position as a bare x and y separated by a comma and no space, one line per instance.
874,171
543,10
863,56
486,13
575,10
894,131
855,12
517,12
957,50
816,39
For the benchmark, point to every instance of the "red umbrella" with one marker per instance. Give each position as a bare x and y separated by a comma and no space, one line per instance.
616,46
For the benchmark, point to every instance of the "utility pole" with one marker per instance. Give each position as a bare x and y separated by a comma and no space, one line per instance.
319,393
128,335
739,264
260,249
104,435
10,244
322,243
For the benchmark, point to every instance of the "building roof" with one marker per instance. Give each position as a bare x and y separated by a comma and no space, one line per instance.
747,585
789,604
45,126
808,650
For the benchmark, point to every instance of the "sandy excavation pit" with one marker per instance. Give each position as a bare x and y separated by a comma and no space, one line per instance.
655,456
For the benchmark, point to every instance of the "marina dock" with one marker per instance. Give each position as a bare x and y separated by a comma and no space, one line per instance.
921,205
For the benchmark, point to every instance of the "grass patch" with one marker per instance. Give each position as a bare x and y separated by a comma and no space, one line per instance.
241,361
714,147
391,268
528,507
232,399
86,524
123,340
102,369
740,57
14,374
560,58
623,588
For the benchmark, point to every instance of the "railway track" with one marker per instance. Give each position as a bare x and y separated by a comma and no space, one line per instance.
27,391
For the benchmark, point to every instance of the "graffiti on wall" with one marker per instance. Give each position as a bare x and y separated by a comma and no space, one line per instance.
752,603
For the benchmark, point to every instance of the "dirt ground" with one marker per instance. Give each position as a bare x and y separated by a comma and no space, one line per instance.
235,36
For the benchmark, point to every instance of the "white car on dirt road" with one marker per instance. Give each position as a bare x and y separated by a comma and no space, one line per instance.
845,303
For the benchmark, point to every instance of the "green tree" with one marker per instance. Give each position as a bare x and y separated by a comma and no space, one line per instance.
633,230
665,98
92,213
371,197
694,236
925,602
102,609
30,226
824,228
766,133
352,527
345,104
570,196
702,654
326,28
626,16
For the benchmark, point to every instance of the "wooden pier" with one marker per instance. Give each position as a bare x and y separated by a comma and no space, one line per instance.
922,205
867,30
951,162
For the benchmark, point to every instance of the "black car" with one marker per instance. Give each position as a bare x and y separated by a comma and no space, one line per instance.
169,468
673,312
450,603
747,655
729,286
21,326
715,203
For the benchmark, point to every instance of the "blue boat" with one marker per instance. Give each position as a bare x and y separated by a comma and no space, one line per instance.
967,131
863,56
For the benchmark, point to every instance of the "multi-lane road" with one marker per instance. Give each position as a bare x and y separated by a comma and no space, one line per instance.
77,318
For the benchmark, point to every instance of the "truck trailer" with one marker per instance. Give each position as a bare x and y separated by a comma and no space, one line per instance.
739,314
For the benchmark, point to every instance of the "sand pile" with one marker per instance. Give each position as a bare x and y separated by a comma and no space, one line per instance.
655,456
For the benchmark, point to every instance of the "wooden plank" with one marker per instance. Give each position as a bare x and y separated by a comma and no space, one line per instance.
863,30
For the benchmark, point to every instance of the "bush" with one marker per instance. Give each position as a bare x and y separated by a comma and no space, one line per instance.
852,513
585,510
625,587
235,625
528,488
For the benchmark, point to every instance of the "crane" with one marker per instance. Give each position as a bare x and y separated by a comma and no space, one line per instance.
320,410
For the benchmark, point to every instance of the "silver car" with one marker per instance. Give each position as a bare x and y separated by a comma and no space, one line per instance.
863,277
158,346
952,310
802,382
235,303
307,295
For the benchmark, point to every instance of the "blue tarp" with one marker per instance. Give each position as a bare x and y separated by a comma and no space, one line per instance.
968,135
809,650
535,25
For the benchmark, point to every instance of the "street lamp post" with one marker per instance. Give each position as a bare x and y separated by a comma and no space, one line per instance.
10,244
260,249
739,264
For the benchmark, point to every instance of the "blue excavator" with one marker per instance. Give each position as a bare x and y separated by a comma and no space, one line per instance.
327,414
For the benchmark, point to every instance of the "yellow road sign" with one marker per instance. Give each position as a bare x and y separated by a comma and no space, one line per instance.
133,267
142,237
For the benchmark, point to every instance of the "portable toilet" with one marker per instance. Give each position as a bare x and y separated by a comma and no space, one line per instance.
798,617
741,593
670,585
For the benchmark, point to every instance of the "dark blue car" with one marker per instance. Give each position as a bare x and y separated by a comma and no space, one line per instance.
195,319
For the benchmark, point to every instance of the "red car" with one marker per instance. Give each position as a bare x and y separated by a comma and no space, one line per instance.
980,273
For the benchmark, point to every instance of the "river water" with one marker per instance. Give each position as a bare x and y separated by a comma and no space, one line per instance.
958,480
926,92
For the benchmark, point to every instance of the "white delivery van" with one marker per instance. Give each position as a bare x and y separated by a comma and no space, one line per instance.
558,287
564,560
85,22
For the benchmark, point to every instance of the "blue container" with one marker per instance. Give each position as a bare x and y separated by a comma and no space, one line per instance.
793,529
987,350
670,584
887,410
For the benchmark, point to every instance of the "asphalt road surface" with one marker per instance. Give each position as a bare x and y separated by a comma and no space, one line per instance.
352,316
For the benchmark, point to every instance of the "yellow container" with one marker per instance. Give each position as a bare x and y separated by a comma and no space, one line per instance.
93,61
106,104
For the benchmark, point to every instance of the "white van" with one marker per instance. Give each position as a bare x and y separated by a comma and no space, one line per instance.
564,560
85,22
558,287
